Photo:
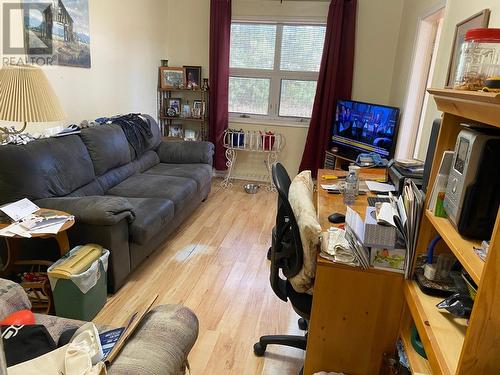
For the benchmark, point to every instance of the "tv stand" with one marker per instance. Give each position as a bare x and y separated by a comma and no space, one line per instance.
336,161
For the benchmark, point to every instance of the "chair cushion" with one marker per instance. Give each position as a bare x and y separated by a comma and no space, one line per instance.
300,197
179,190
301,302
201,173
151,216
108,147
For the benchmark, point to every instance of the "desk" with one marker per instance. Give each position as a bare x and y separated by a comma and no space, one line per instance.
356,313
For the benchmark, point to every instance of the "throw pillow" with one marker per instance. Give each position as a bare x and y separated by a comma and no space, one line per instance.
300,197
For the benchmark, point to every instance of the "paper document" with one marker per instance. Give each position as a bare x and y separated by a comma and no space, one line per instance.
379,186
20,209
34,225
354,221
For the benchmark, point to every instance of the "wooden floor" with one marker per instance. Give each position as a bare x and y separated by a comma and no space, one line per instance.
216,265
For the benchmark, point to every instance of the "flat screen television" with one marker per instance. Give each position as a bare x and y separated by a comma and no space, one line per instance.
360,128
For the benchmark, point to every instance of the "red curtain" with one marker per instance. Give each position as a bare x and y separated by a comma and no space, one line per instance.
334,82
220,40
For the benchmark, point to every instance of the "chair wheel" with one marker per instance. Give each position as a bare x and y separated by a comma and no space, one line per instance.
259,350
302,324
269,254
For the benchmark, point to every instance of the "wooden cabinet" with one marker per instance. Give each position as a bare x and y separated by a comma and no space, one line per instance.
455,346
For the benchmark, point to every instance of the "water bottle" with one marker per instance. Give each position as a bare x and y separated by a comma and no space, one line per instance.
350,189
355,169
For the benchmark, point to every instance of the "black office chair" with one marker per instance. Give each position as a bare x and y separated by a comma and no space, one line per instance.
287,256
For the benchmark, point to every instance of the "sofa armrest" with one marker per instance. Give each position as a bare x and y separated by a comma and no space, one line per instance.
12,298
161,343
186,152
93,210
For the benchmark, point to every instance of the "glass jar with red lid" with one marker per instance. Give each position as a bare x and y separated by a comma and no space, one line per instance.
479,59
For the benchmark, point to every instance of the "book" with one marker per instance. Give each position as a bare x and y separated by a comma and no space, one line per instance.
109,339
388,259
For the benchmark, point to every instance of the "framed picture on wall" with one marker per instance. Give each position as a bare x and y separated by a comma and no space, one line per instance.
478,20
171,78
192,75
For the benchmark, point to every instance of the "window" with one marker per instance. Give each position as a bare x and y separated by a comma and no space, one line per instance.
274,69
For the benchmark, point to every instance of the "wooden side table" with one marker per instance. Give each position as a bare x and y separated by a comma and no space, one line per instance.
40,289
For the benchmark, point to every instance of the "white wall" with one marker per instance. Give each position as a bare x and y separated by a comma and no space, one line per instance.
456,11
413,12
377,34
127,43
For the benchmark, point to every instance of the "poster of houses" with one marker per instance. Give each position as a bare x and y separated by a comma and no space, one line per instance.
59,28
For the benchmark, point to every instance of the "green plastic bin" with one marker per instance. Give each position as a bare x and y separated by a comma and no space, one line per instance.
82,296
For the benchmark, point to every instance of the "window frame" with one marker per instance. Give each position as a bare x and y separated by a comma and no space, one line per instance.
275,75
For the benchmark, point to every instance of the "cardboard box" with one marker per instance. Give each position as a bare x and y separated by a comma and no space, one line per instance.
377,235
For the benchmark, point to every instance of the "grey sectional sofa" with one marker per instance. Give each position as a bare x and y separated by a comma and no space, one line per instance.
125,202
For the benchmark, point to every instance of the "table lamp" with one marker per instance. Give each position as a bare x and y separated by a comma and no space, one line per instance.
26,96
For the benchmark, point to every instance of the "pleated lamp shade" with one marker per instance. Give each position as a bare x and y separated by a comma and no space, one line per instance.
26,95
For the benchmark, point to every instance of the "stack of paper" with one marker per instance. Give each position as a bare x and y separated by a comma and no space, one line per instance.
27,223
355,233
408,211
404,214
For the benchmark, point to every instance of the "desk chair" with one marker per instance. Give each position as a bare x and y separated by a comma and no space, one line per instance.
287,256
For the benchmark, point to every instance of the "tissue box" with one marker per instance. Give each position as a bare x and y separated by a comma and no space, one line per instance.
388,259
377,235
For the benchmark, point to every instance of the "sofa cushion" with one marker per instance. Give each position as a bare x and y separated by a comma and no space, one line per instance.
151,215
115,176
92,188
177,189
44,168
201,173
155,140
108,147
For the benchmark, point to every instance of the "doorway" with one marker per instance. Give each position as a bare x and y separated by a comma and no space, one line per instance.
421,75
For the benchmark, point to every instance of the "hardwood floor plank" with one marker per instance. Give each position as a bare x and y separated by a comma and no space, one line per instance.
216,264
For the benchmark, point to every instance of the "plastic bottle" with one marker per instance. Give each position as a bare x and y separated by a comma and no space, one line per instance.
350,189
355,169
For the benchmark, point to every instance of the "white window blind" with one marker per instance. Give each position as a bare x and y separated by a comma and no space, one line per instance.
274,69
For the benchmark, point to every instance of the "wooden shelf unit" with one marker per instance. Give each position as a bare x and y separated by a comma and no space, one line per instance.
463,248
178,118
442,334
201,124
455,346
418,364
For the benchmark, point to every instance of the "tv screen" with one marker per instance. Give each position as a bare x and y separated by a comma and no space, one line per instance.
360,128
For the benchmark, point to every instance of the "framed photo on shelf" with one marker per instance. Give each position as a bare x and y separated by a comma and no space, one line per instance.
198,110
192,76
175,131
171,78
190,135
175,103
186,110
478,20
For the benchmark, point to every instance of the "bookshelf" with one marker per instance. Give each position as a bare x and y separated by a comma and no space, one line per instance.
455,346
186,96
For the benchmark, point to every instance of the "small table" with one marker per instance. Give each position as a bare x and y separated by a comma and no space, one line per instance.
13,250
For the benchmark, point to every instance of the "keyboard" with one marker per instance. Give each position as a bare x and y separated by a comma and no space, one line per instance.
373,200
